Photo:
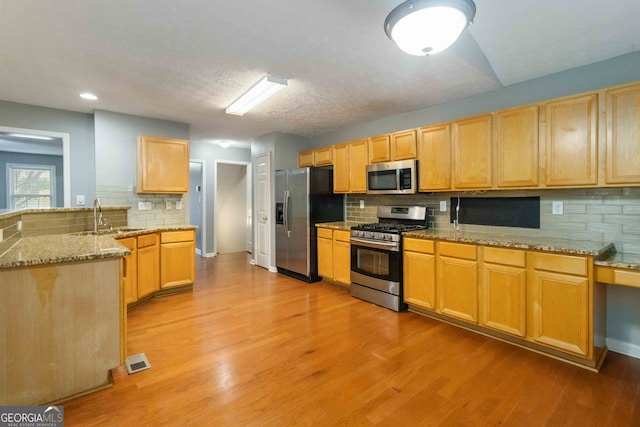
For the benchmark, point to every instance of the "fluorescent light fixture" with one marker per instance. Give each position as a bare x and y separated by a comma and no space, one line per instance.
426,27
89,96
260,92
27,136
225,144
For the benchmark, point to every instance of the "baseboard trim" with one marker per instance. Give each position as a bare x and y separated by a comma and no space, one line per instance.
623,347
210,254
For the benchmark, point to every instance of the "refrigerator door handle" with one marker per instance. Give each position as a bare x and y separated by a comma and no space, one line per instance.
287,196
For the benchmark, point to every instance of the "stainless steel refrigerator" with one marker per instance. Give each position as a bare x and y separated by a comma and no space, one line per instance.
304,197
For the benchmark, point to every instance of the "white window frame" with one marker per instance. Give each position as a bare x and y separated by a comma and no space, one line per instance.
52,182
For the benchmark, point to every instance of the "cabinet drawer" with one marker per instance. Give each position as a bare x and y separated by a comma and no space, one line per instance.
128,242
615,276
505,256
342,235
147,240
325,233
176,236
458,250
559,263
419,245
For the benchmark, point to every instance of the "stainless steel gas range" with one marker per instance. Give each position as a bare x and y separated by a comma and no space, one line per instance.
376,255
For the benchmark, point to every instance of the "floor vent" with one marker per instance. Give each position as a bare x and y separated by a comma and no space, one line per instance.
137,363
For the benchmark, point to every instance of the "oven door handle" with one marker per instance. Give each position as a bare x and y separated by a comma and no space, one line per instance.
376,245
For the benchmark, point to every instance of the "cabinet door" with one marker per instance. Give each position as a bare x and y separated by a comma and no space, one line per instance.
148,265
516,147
458,288
571,146
358,157
434,158
623,135
325,255
503,293
341,261
420,279
341,168
163,165
560,311
379,149
472,153
403,145
177,264
323,156
130,270
305,158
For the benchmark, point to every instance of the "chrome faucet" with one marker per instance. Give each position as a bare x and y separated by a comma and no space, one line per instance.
97,221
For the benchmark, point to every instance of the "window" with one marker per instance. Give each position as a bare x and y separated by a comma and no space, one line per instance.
30,186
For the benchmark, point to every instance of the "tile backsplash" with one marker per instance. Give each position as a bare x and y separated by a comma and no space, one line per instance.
596,214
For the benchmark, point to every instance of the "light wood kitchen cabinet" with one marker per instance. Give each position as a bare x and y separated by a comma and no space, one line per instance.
559,302
516,147
162,165
177,258
472,148
325,253
404,145
380,148
334,255
419,273
148,264
434,158
623,135
571,141
341,168
130,270
457,284
503,290
342,256
358,160
305,158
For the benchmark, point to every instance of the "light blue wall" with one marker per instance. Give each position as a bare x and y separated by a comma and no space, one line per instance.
78,125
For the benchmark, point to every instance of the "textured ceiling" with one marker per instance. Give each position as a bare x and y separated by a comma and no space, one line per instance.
187,60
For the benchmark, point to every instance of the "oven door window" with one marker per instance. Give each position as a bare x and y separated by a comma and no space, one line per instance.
378,263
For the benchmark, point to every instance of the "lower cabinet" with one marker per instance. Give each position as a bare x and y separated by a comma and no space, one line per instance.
148,264
419,266
559,302
503,290
457,286
177,258
543,300
130,270
334,255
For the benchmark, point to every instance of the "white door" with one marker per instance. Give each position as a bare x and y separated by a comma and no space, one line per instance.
262,197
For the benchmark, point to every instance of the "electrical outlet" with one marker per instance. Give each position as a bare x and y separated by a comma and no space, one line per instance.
443,205
361,204
80,200
179,204
144,206
557,208
168,206
1,235
19,225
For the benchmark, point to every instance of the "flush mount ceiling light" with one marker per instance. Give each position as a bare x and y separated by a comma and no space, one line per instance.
260,92
89,96
425,27
225,144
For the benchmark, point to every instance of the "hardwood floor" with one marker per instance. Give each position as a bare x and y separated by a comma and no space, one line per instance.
249,347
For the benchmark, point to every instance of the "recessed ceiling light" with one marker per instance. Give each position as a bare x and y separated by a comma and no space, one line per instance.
225,144
89,96
28,136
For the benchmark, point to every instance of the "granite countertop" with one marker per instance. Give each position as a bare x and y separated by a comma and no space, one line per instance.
58,248
338,225
618,260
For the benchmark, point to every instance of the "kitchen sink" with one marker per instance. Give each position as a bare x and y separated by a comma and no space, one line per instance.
119,230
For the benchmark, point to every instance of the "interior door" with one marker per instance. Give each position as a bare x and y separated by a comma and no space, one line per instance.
262,197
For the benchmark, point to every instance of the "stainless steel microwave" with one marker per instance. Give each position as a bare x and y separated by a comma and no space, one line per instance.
392,177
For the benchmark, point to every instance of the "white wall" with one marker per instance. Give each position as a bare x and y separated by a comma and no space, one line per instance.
231,220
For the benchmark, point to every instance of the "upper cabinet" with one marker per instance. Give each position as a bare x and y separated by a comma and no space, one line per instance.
305,158
341,168
318,157
379,149
623,135
516,147
350,167
163,165
472,147
434,158
571,141
396,146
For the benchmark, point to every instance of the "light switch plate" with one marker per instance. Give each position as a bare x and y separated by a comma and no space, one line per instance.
443,205
557,208
179,204
144,206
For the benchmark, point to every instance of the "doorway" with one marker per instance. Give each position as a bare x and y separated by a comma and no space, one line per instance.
197,202
232,217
